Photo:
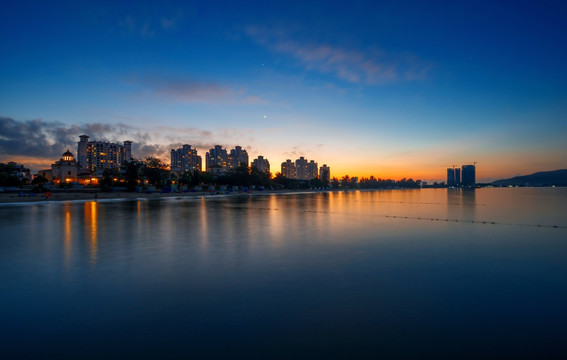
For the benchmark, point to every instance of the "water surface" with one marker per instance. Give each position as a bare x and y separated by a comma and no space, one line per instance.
366,274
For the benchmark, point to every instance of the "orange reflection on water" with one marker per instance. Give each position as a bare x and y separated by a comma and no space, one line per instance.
68,234
276,225
91,214
204,224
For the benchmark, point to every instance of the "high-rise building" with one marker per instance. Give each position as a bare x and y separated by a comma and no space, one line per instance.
469,175
185,159
95,156
217,160
457,177
261,164
288,169
237,157
311,170
301,168
325,174
451,177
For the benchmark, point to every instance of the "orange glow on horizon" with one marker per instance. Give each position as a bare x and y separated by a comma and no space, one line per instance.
431,166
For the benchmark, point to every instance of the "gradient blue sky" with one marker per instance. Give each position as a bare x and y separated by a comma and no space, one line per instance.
387,88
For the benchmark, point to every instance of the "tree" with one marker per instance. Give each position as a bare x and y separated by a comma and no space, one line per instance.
203,178
186,178
9,174
132,173
258,177
39,180
155,171
345,181
316,183
108,176
171,178
335,183
239,176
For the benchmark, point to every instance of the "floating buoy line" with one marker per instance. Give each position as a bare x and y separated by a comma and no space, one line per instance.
421,218
482,222
420,203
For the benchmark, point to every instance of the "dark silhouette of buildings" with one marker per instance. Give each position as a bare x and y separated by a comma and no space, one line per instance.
453,177
450,177
469,176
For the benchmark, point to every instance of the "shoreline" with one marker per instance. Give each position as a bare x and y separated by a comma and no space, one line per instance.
11,198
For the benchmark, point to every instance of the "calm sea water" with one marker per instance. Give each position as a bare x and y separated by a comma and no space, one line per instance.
368,274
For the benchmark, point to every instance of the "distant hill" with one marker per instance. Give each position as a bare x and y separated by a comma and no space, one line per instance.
543,178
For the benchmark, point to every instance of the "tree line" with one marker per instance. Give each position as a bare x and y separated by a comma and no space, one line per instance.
11,175
371,182
136,174
157,173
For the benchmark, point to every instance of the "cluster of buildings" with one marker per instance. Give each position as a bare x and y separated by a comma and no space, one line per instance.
303,169
219,160
463,177
93,157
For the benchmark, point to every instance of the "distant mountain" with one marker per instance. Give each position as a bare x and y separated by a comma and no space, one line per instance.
543,178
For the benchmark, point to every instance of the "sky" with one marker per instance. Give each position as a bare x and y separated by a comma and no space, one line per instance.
391,89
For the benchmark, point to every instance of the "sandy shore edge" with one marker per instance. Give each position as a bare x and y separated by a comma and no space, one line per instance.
84,196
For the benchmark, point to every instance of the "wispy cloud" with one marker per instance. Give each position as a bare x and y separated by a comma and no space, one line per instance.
148,25
185,90
371,66
142,28
254,100
179,89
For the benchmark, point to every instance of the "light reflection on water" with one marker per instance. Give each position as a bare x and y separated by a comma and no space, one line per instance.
367,273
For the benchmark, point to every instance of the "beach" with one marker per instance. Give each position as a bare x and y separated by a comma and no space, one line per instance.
85,196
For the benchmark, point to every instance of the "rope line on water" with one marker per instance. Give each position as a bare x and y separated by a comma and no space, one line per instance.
420,203
481,222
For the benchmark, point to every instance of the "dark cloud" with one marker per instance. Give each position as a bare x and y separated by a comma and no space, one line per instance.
48,140
142,151
36,138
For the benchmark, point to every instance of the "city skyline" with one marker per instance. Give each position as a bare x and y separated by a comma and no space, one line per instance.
390,90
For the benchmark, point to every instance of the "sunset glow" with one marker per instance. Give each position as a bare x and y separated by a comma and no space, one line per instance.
380,89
